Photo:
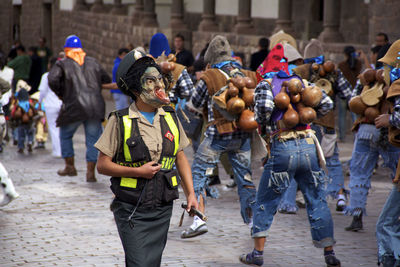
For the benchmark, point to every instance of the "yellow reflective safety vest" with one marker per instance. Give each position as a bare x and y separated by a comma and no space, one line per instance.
133,152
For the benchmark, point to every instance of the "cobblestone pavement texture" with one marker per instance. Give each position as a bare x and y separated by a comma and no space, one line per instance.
64,221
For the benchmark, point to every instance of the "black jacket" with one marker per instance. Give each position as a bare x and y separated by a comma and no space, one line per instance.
79,88
258,58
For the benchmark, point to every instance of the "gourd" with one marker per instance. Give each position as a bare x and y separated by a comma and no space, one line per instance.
248,96
306,114
290,118
235,105
247,121
282,99
371,113
311,96
357,106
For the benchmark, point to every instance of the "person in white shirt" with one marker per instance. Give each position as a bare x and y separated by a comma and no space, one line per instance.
52,105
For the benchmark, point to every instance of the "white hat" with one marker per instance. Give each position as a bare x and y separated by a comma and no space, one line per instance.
313,49
281,38
291,53
21,84
36,96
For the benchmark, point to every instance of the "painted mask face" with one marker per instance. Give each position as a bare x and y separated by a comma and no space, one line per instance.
153,87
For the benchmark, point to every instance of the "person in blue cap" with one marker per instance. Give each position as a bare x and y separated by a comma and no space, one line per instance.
77,80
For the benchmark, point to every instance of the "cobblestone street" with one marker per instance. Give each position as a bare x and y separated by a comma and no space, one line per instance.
64,221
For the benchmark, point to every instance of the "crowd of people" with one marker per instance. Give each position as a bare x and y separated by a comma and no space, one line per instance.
280,111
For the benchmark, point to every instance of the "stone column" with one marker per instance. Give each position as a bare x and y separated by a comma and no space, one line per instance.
80,5
118,8
149,16
98,7
177,15
331,22
208,17
244,25
284,20
137,14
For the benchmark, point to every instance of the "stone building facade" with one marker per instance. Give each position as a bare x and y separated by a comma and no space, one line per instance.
106,25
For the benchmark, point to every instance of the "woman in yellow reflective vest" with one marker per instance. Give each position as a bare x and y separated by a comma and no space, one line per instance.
139,148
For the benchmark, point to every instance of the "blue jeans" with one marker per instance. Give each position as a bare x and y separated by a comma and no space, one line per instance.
288,201
121,101
388,230
363,160
25,131
294,159
93,130
239,152
333,164
342,112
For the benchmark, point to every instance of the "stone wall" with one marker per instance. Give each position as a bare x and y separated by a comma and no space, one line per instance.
31,20
384,17
354,21
5,25
101,34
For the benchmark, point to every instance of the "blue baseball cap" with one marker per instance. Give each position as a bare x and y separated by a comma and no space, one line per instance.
73,41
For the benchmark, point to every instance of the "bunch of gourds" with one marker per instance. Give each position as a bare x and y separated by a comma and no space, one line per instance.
167,64
367,104
238,100
325,71
293,93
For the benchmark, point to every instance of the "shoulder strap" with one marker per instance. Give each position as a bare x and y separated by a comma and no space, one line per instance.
168,109
119,113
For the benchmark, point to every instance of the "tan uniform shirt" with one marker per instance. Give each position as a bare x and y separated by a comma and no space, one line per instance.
151,134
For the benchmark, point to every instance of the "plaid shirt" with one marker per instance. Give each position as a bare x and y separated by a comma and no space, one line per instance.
264,106
183,87
394,119
200,98
357,89
343,88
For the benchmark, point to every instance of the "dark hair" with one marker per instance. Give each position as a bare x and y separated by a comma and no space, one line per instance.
351,59
203,51
33,49
3,61
384,35
381,53
199,65
135,73
180,36
263,43
123,50
43,39
52,61
20,47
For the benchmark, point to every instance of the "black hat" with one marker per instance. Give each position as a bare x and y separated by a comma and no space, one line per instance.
124,66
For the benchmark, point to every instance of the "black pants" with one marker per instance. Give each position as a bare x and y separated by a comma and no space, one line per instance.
144,243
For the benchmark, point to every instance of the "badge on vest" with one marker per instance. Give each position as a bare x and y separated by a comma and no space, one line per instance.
169,136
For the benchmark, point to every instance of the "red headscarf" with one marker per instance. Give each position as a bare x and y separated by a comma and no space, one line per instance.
273,63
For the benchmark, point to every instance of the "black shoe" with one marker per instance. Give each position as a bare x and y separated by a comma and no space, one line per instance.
29,148
21,151
356,224
40,145
251,259
340,205
332,261
214,180
15,142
